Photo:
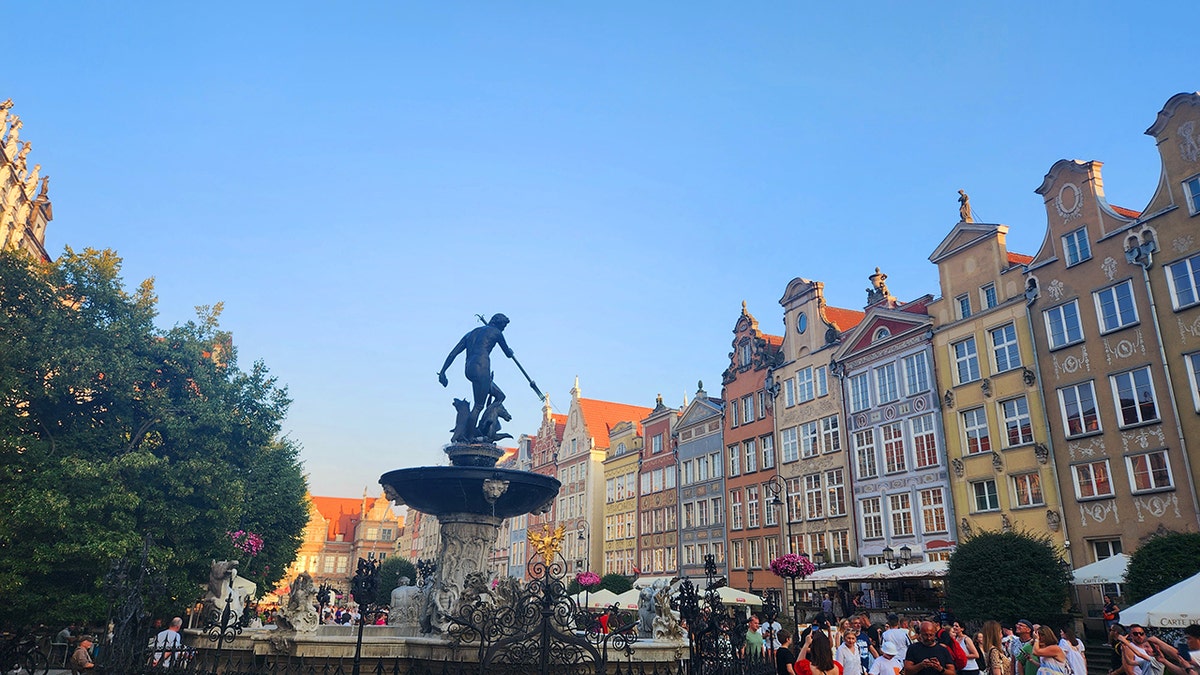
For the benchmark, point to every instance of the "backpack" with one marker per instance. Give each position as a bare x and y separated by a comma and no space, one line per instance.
956,651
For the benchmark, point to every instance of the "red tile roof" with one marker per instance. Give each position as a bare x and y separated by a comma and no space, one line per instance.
1019,258
601,416
773,340
560,425
1128,213
844,318
341,512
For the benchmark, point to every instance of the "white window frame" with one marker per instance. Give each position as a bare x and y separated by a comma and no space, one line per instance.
1113,297
1032,482
1062,314
735,460
767,443
821,375
977,438
871,515
747,409
933,506
965,356
804,385
891,445
916,373
860,392
1191,190
1090,480
1139,465
736,512
789,392
1004,341
750,454
835,491
789,444
1193,368
887,386
900,510
1184,271
924,431
865,454
988,297
753,506
831,434
1138,382
1075,390
810,439
1082,247
990,496
1015,418
962,306
814,497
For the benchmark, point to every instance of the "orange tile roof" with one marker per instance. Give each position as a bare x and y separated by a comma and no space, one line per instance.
560,426
601,416
1128,213
773,340
509,455
1019,258
341,512
844,318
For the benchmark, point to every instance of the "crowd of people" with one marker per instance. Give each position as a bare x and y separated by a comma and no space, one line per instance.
940,645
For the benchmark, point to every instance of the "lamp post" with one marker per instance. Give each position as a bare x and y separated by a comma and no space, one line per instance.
365,585
775,488
585,540
750,580
894,563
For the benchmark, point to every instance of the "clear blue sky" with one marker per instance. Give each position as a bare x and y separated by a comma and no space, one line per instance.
357,180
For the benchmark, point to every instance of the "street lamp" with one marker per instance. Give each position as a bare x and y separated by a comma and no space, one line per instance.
585,540
894,563
750,580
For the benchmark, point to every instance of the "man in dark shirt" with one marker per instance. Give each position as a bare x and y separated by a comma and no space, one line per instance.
927,656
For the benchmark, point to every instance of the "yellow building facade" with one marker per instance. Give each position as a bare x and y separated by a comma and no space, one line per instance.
620,499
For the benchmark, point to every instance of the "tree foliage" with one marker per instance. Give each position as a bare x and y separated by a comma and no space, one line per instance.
114,432
390,572
1163,561
1007,576
617,583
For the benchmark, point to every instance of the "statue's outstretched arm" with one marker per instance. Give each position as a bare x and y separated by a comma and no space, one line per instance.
458,348
504,347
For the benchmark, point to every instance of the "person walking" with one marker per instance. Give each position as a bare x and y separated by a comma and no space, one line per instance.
887,663
1111,612
848,655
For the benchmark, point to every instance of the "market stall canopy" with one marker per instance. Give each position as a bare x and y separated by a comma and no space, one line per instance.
628,599
930,569
1175,607
597,600
1111,570
834,574
732,596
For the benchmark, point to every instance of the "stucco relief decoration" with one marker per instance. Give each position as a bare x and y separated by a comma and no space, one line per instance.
948,398
1125,347
1189,143
919,404
957,465
1028,377
1156,506
1079,450
1056,288
889,413
1140,438
1005,523
1068,205
986,387
967,530
1099,512
860,421
1071,363
1185,330
1041,452
1110,267
997,461
1053,520
1182,244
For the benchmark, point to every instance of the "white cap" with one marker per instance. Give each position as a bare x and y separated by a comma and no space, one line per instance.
890,648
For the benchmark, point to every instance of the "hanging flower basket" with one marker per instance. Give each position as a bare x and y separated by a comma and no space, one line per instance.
587,579
792,566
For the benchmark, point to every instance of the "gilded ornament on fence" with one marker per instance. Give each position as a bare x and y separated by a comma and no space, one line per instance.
547,542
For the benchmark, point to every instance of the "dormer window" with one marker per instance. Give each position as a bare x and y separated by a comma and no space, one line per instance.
1076,247
745,353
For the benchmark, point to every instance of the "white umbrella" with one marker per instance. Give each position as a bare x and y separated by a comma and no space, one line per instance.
628,599
1176,607
732,596
596,600
1111,570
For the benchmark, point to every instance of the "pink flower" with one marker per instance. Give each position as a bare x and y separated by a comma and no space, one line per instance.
587,579
792,566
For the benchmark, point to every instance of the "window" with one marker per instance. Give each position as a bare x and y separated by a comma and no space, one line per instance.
804,384
933,510
1092,480
734,461
689,515
716,464
745,353
987,295
1005,352
835,489
916,374
1149,471
762,405
860,392
963,306
1106,548
770,511
893,448
789,392
831,437
791,448
886,385
702,469
924,441
656,444
1027,490
750,449
975,428
772,546
1191,188
839,547
702,514
808,439
1062,324
821,374
1184,279
864,454
1076,248
900,507
872,517
795,500
1133,393
966,361
755,554
1078,406
735,509
1114,307
1193,368
753,506
1018,428
747,409
737,550
814,502
986,497
768,451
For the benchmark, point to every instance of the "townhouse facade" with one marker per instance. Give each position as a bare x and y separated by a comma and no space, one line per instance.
814,463
700,451
341,530
25,208
994,414
749,441
901,482
620,533
658,494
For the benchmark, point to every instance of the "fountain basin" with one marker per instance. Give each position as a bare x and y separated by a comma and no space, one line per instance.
502,493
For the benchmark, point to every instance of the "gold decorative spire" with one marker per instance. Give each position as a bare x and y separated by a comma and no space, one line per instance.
547,542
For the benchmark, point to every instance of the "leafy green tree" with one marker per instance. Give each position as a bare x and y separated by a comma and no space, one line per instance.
114,433
1007,576
617,583
1163,561
390,571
